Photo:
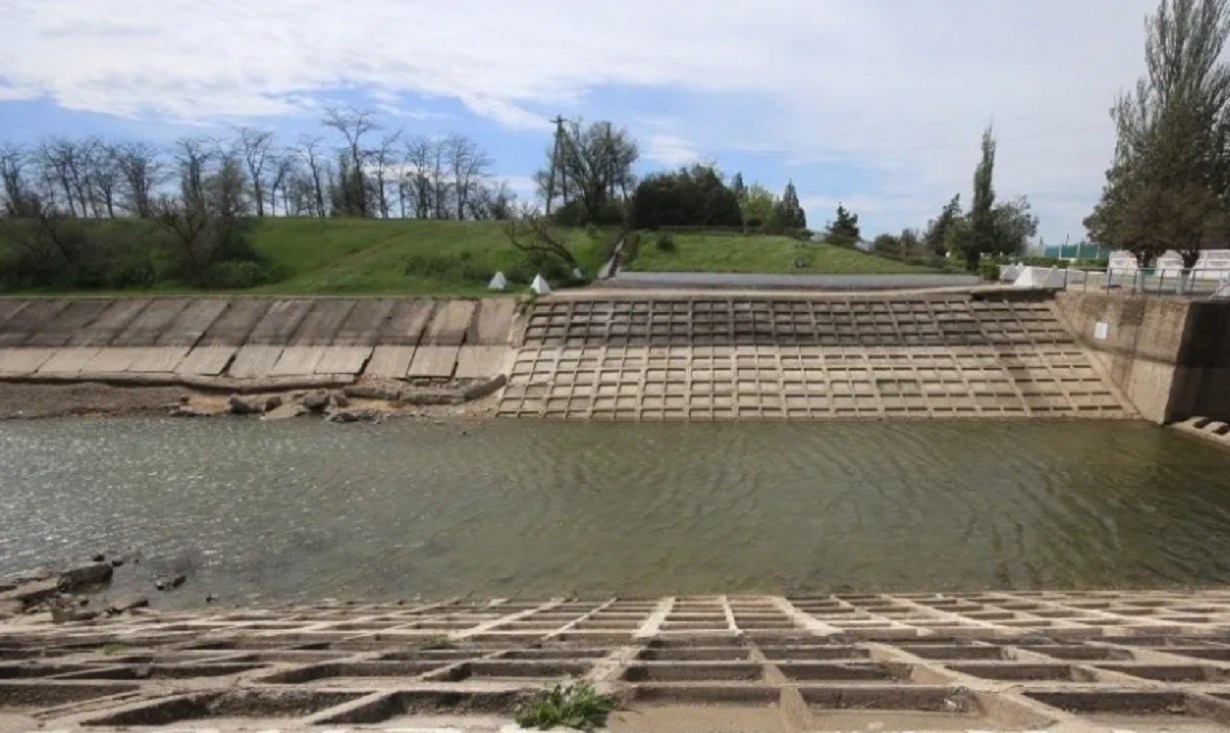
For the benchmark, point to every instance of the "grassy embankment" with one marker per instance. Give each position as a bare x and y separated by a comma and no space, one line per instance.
717,252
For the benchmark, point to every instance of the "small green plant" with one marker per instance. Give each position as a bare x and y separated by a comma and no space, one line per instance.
989,271
665,243
576,706
438,642
114,648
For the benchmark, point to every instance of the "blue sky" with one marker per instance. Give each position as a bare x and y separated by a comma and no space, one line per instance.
875,103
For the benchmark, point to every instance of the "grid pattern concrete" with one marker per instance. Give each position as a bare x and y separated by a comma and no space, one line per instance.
1064,661
714,358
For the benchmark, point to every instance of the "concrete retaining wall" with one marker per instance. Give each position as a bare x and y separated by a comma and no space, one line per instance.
1170,357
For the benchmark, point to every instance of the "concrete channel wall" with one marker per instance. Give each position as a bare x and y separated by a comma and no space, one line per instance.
1170,357
139,340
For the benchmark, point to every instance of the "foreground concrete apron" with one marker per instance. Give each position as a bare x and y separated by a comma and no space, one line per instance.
1096,661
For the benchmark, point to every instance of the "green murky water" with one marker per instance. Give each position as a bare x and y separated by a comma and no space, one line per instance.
305,510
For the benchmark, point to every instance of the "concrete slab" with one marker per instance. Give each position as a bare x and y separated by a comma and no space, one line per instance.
321,322
254,362
75,317
405,323
26,323
236,323
278,324
209,361
69,360
449,323
192,323
343,359
114,319
158,359
492,325
10,307
112,360
364,322
390,362
150,323
480,362
23,361
297,361
434,361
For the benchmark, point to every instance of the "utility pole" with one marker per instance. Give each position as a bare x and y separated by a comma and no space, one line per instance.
555,159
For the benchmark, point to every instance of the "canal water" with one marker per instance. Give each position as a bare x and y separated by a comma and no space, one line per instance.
303,510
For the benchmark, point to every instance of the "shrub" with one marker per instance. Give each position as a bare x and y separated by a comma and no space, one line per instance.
238,274
428,265
571,214
989,270
592,231
577,706
665,242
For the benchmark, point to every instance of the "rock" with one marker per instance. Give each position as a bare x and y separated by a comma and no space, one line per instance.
171,582
316,401
285,412
32,592
11,608
376,389
62,615
189,411
344,417
83,601
243,405
127,602
340,400
99,572
210,598
116,562
273,403
99,557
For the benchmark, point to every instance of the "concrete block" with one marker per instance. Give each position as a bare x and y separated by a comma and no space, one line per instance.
207,360
23,361
297,360
343,359
254,362
69,360
480,362
390,362
434,361
158,359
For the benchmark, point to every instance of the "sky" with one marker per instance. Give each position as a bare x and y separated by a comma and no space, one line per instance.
877,104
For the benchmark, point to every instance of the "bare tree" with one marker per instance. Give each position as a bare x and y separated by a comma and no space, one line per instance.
353,124
309,153
19,199
104,178
439,183
531,233
256,147
595,164
281,169
142,170
419,153
193,156
382,161
468,165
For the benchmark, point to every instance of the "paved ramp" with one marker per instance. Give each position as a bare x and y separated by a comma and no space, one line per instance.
747,357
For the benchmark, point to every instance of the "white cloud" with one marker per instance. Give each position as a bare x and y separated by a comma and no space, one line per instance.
901,88
671,151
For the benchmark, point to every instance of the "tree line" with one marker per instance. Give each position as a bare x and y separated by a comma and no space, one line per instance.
1168,184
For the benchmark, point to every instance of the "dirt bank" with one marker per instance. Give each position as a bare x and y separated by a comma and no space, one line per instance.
92,399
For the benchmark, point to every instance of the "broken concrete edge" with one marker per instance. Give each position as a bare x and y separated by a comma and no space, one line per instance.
210,384
1214,431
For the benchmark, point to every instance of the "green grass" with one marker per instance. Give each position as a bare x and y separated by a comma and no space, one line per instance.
340,256
759,254
369,256
576,706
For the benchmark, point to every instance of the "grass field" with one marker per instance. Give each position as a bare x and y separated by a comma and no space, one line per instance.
759,254
332,256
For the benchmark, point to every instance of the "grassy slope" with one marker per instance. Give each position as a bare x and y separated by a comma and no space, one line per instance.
369,255
759,254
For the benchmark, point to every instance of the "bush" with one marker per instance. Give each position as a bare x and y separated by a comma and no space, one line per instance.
609,214
665,242
571,214
592,231
989,271
437,267
238,274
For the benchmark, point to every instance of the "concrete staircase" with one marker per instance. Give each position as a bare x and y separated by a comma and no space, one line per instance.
802,357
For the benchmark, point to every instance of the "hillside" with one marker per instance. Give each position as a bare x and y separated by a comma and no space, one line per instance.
718,252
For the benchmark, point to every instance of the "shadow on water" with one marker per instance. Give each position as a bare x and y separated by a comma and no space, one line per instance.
302,509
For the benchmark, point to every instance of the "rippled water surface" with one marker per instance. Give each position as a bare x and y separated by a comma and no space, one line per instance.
302,509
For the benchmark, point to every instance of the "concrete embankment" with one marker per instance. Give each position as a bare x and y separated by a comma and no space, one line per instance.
1082,662
901,355
593,356
236,343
